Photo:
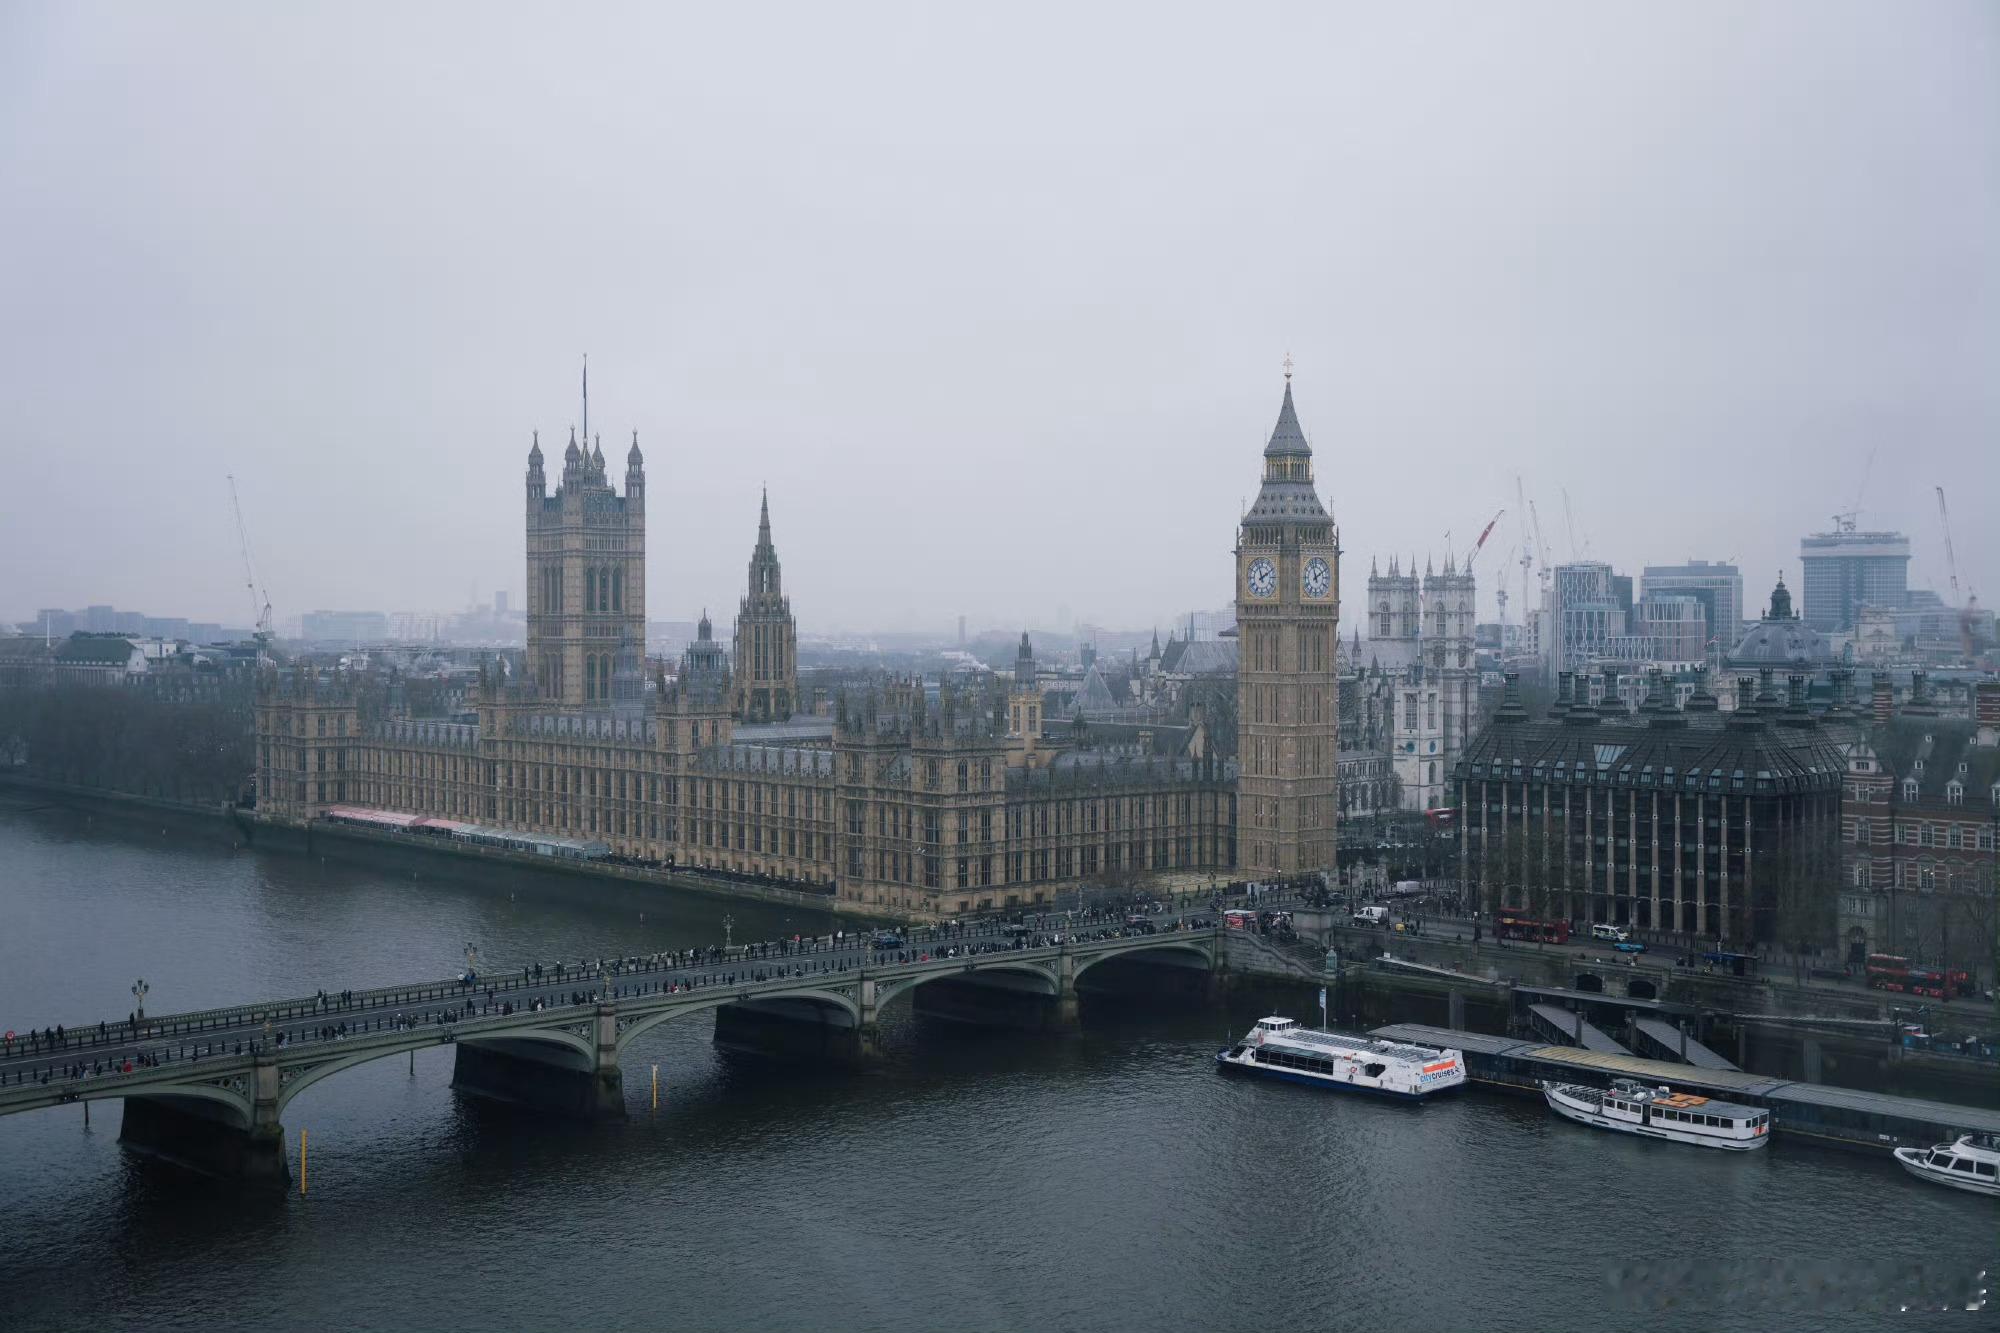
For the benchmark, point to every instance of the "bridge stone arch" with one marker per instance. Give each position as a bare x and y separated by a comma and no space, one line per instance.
1202,950
231,1092
294,1079
633,1026
1045,979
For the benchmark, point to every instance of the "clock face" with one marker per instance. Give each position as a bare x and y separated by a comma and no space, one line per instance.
1317,578
1262,577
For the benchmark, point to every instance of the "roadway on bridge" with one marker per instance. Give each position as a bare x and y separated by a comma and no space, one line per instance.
77,1055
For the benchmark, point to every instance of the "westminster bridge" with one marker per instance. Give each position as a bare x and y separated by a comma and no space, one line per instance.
209,1089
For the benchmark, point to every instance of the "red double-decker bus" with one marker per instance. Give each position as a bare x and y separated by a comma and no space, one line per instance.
1514,923
1893,972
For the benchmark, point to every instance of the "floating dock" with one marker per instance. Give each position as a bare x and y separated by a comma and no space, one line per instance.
1841,1117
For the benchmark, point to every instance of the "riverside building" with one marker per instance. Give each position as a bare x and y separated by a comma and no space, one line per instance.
1725,825
922,796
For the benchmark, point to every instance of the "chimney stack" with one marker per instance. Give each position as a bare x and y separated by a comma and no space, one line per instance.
1881,700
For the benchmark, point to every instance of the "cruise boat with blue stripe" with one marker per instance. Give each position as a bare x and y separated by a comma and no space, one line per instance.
1279,1048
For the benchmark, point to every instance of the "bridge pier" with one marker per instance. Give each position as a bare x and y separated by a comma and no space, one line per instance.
548,1076
795,1030
1065,1017
209,1136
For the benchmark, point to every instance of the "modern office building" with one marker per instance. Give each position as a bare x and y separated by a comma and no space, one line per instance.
1846,570
1717,586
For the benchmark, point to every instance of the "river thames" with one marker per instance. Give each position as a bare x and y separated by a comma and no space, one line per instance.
971,1180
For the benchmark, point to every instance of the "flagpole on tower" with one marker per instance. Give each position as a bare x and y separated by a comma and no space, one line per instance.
586,402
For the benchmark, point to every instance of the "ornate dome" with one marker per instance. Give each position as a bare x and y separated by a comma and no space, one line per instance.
1781,638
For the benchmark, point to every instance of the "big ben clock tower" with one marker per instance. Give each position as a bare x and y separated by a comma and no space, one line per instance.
1287,625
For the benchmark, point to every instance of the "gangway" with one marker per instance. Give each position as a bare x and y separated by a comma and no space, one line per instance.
1571,1028
1672,1043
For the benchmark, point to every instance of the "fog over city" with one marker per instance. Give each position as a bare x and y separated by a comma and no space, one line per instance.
995,301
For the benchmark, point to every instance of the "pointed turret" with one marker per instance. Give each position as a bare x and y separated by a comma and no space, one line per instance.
1287,494
635,473
1287,438
572,454
538,485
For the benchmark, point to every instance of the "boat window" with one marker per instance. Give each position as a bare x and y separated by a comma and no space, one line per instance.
1962,1164
1940,1159
1374,1070
1986,1168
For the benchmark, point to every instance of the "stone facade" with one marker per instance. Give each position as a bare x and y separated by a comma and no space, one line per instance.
928,799
1724,826
766,686
1287,682
1919,829
587,580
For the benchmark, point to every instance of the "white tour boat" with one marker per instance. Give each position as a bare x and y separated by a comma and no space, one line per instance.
1280,1048
1972,1163
1660,1113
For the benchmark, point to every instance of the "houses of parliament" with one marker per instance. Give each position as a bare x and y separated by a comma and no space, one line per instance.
926,798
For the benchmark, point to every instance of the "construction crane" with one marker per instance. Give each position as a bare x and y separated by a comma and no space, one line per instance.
260,601
1541,544
1521,517
1484,533
1570,519
1965,606
1845,520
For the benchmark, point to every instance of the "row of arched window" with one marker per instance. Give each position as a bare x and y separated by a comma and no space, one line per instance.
603,589
597,676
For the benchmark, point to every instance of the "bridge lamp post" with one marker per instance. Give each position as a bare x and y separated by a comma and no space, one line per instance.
728,927
139,992
471,961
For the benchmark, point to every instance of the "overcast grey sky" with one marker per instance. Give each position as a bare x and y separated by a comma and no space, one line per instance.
993,297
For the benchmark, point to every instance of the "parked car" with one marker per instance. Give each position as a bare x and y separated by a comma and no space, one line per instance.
1629,946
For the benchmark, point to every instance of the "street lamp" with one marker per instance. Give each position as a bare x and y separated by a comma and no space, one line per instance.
139,990
728,926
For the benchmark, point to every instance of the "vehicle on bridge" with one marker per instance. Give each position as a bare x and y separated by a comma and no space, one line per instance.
1514,923
1279,1048
1893,972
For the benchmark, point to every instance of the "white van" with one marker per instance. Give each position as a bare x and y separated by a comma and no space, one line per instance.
1372,915
1613,934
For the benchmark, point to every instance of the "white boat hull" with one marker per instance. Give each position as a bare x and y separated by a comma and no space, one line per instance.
1348,1080
1918,1165
1585,1114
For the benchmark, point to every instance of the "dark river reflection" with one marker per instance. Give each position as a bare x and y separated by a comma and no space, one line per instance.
972,1180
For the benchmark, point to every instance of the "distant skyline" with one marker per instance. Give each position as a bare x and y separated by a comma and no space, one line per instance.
995,302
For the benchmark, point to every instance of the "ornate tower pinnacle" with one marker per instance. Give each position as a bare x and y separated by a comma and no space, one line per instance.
766,683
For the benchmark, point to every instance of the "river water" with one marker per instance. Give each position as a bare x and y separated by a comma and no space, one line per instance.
973,1180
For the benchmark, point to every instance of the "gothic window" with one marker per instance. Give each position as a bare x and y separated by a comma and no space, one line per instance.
590,589
617,590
